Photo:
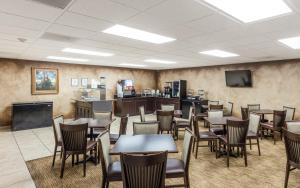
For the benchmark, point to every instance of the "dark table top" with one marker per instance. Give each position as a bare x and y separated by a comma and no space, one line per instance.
220,121
263,111
142,144
93,123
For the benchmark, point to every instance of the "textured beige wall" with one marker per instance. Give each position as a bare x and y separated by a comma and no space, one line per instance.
15,82
274,84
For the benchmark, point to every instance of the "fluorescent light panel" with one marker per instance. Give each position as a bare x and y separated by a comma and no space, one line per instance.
132,65
219,53
250,10
132,33
67,58
159,61
293,42
87,52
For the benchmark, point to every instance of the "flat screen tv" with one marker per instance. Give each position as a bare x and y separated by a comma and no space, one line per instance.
238,78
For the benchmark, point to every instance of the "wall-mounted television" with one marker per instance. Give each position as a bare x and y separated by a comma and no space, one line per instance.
238,78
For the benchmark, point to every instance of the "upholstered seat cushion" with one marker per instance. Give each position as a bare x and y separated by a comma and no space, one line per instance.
202,115
174,167
114,138
180,120
114,171
217,130
251,134
90,144
223,138
207,135
267,126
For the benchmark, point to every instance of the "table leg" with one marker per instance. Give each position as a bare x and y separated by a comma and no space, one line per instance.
91,133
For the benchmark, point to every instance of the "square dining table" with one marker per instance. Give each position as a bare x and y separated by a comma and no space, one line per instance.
144,144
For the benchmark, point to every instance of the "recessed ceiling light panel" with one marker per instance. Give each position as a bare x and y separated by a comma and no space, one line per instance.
159,61
250,10
132,33
67,58
293,42
219,53
132,65
87,52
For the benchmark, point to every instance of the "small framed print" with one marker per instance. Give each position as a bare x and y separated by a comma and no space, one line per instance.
84,82
74,82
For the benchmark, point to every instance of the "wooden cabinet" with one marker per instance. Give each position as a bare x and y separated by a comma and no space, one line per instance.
131,105
85,108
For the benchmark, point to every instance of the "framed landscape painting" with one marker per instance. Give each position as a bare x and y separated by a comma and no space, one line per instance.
44,81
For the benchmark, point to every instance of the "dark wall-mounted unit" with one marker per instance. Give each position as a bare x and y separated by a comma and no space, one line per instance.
31,115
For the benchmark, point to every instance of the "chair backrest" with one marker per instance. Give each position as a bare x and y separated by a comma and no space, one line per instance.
144,171
168,107
191,112
237,132
253,107
145,127
215,114
278,119
142,113
56,127
229,108
290,113
187,148
293,126
216,107
165,119
254,122
292,147
245,113
74,137
104,147
123,125
103,115
212,103
196,127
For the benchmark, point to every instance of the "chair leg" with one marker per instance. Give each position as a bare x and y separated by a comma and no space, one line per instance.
61,152
84,164
72,159
54,155
103,182
107,184
250,143
245,156
194,145
63,165
287,174
258,146
274,137
197,146
186,180
227,150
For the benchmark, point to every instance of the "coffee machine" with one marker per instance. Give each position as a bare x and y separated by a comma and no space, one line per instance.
168,89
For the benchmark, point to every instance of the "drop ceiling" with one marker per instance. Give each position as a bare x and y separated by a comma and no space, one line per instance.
34,30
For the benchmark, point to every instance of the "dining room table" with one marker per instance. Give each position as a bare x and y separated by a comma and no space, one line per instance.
93,124
263,112
144,144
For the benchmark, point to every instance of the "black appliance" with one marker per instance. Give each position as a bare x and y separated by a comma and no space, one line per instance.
187,103
31,115
168,89
238,78
179,89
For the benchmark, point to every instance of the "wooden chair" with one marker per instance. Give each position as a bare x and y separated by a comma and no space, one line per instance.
228,110
150,127
122,130
144,171
293,126
208,136
213,102
57,135
290,113
74,140
275,126
216,129
181,123
235,137
253,131
100,115
253,107
165,119
179,168
111,171
142,113
167,107
216,107
245,113
292,148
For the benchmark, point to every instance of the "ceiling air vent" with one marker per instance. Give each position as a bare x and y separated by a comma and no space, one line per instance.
54,3
58,37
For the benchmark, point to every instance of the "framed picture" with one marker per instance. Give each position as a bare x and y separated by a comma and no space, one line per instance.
74,82
44,81
84,82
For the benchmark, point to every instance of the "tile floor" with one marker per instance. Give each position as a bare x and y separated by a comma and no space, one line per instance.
20,146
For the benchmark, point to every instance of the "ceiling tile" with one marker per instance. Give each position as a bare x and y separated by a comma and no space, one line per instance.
69,31
139,4
103,9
